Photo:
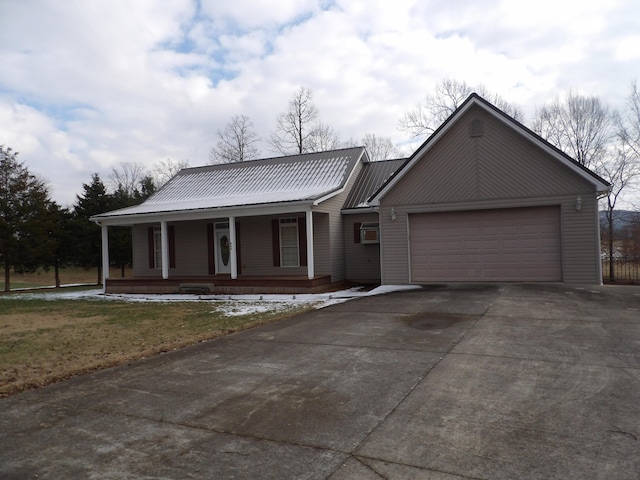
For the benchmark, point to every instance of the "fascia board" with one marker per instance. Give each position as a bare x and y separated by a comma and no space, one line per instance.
353,211
203,214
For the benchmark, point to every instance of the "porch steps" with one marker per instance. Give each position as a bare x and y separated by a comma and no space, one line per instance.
196,288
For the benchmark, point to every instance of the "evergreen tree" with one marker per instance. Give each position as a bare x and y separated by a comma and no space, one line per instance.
24,208
94,200
63,238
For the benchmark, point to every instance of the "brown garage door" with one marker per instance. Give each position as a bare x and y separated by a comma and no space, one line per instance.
514,244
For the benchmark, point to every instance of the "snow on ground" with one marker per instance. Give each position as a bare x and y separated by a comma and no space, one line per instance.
229,304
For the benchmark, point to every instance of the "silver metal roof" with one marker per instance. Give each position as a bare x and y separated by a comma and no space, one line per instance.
371,178
307,177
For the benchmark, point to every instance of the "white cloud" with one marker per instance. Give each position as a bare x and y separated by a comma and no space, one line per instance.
86,85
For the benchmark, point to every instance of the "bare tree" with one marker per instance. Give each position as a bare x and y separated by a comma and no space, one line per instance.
379,147
127,177
580,126
164,170
627,124
324,138
449,95
236,143
602,140
297,127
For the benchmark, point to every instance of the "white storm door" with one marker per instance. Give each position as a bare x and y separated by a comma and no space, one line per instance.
222,248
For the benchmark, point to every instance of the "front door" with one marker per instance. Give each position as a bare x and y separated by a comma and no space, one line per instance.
222,248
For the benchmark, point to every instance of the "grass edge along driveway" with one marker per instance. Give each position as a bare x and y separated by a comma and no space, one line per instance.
46,338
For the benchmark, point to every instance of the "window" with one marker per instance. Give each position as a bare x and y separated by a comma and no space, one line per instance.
369,232
157,247
289,254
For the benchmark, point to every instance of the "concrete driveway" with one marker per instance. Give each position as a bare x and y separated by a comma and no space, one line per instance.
447,382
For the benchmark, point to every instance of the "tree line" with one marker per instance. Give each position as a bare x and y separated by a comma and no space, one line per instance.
37,232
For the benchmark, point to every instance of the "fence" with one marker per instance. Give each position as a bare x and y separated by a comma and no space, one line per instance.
626,270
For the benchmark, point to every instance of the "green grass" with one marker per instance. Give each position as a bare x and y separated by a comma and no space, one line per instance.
43,341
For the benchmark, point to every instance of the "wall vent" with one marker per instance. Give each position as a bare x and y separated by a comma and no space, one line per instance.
475,128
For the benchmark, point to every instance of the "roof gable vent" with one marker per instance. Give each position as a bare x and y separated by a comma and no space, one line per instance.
476,128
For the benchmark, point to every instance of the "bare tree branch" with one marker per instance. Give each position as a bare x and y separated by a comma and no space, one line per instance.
236,143
580,126
297,127
449,94
164,170
127,177
379,147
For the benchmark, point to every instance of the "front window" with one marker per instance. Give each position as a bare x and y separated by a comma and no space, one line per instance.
157,247
289,255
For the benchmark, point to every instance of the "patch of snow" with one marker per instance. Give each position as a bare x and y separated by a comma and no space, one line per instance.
230,305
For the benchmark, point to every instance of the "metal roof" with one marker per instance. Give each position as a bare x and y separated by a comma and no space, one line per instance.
307,177
371,178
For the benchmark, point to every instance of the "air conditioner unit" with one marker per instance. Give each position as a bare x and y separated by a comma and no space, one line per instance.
370,233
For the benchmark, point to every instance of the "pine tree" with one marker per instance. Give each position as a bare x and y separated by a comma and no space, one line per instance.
24,206
92,201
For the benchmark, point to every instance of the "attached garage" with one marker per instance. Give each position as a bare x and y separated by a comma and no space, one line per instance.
486,199
513,244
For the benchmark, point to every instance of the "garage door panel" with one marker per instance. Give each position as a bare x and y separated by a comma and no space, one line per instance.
517,244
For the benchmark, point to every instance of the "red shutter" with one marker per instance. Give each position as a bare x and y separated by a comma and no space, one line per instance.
210,241
152,247
172,247
275,240
356,232
302,241
238,258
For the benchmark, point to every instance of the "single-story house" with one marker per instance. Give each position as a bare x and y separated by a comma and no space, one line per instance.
483,199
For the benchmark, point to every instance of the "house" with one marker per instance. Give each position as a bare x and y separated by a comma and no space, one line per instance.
483,199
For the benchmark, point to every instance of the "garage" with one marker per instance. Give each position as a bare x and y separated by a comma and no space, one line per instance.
511,244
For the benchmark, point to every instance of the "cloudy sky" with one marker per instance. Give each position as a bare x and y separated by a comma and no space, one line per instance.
88,84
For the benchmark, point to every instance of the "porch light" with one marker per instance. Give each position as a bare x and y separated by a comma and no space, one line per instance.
393,214
578,204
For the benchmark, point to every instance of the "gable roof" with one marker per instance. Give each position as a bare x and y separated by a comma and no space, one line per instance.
371,177
474,99
310,178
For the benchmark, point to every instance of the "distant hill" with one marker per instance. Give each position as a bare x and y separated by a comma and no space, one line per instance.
621,218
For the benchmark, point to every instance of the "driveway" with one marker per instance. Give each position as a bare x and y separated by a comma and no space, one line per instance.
447,382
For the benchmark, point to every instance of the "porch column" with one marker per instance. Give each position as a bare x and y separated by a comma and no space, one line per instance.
310,267
164,246
105,257
232,248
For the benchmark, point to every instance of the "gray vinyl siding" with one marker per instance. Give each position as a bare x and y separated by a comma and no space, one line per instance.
256,251
499,164
500,169
321,244
362,260
333,207
190,247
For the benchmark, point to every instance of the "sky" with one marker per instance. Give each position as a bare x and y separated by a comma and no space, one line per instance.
86,85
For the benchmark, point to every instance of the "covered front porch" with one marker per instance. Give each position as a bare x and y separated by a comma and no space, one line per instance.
235,254
222,284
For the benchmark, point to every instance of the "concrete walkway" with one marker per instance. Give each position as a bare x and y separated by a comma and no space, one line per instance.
451,382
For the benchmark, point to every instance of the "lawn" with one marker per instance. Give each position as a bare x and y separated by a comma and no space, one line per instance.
47,338
46,278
